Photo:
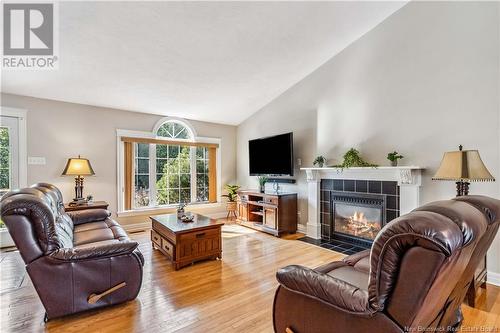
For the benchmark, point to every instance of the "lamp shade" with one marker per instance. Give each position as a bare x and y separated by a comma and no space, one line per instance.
78,167
463,165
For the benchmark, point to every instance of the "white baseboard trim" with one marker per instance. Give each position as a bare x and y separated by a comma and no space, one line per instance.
302,228
493,278
135,227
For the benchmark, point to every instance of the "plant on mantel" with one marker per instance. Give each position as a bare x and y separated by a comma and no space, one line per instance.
352,159
394,157
319,161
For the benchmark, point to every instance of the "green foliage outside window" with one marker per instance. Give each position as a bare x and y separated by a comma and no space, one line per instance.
201,174
173,172
4,158
174,181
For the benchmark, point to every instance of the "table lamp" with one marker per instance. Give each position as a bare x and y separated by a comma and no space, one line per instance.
78,167
463,167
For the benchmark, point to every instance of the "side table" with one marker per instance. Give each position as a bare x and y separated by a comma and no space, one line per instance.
88,205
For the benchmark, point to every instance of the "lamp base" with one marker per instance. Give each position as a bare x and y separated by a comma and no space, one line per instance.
462,188
78,189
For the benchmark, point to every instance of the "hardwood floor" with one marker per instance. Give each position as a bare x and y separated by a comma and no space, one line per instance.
231,295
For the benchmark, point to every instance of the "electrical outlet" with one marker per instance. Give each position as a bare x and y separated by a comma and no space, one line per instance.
32,160
299,162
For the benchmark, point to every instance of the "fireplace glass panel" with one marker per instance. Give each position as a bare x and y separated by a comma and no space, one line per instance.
358,221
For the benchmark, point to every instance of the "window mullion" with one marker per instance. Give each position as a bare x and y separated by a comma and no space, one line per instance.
132,176
152,175
192,161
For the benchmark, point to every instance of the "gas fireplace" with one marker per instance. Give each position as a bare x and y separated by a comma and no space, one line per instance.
355,204
357,217
362,222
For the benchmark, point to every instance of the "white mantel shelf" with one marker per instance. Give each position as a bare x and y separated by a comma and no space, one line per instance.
413,167
409,175
409,179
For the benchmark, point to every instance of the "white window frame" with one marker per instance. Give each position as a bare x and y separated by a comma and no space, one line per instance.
21,115
152,135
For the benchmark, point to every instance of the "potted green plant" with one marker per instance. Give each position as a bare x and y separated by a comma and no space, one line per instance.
353,159
232,193
262,183
394,157
319,161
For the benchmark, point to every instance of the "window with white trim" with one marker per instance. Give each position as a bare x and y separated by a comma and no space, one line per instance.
169,169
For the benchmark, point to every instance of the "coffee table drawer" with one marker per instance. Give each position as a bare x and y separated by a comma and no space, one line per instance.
167,247
155,238
202,234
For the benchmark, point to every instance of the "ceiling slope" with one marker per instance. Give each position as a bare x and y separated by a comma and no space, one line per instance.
210,61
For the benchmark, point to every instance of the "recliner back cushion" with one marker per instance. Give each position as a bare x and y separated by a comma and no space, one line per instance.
418,261
63,224
53,228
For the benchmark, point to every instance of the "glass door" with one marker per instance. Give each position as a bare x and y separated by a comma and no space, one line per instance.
9,154
13,159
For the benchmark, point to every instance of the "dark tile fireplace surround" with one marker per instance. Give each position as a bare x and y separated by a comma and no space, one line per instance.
353,211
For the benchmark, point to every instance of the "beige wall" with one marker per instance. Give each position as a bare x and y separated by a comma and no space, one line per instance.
58,130
422,82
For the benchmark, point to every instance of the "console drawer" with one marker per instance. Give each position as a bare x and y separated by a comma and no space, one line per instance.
271,200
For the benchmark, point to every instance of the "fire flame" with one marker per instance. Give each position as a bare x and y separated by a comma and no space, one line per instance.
359,225
359,217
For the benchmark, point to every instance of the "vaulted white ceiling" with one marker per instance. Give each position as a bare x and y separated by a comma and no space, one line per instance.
212,61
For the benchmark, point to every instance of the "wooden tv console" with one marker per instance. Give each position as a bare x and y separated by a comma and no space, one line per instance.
274,213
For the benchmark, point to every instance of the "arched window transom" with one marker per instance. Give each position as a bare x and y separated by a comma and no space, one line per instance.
175,129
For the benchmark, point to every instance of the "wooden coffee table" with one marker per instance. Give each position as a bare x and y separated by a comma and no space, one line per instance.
186,242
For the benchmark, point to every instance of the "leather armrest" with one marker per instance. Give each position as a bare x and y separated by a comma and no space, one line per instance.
92,252
336,292
354,258
88,215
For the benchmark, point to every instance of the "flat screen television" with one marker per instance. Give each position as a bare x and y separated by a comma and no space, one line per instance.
271,155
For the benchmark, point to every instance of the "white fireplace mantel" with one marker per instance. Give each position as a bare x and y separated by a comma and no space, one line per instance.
409,179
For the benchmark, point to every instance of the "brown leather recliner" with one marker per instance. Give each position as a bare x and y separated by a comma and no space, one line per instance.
77,261
414,278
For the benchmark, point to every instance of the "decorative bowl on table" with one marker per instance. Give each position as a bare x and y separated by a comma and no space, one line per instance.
187,218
